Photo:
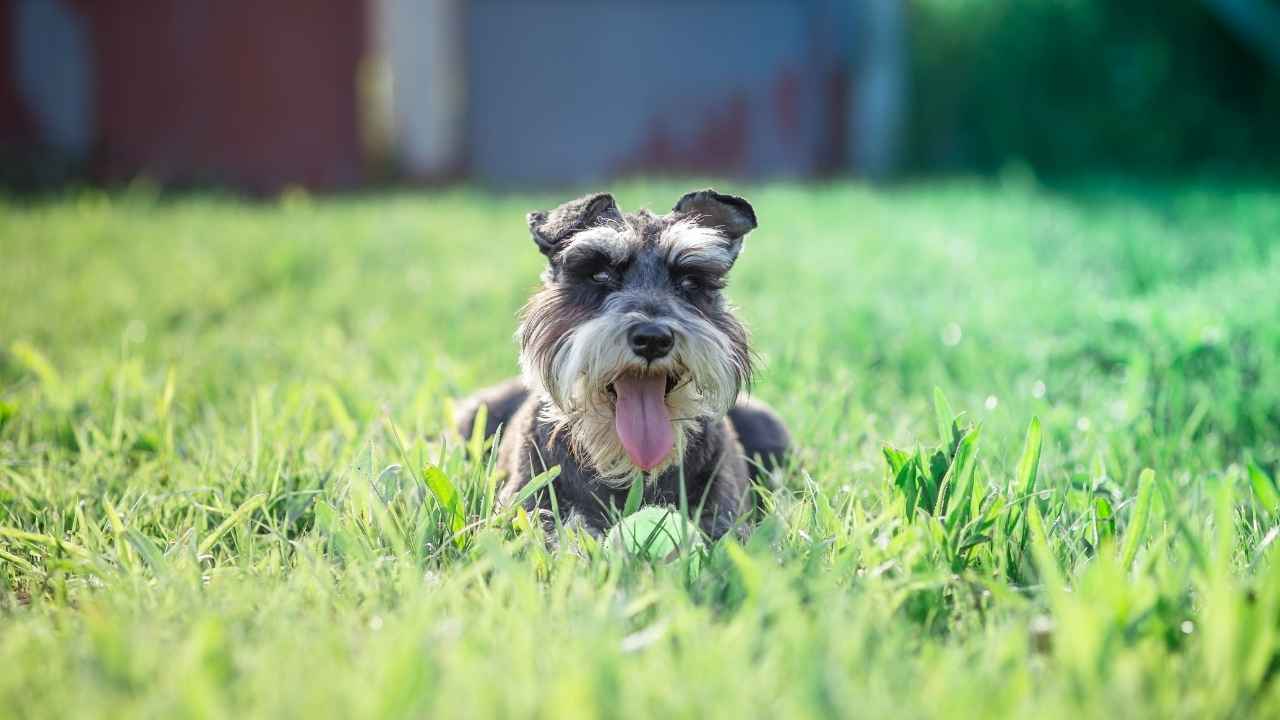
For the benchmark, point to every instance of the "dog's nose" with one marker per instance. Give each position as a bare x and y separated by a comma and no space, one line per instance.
650,340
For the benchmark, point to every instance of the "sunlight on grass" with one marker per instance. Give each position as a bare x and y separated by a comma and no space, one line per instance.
1037,473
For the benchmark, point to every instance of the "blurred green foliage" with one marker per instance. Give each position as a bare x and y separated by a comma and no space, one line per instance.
1069,85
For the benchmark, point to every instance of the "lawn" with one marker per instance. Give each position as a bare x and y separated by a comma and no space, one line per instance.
223,490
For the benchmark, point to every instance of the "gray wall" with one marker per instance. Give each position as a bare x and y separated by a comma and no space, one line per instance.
574,91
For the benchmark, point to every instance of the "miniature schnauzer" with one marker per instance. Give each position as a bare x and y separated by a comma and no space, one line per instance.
632,363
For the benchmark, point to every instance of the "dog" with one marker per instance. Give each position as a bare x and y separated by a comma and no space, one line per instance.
632,363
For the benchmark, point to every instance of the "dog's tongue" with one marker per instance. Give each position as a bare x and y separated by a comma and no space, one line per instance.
642,420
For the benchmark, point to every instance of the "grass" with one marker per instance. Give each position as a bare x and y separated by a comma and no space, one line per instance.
222,490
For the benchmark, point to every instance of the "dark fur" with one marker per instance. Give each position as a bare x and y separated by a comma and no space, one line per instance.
723,455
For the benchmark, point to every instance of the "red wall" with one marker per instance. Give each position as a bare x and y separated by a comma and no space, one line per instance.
256,95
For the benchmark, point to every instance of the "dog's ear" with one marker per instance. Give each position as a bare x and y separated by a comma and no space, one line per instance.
551,228
730,214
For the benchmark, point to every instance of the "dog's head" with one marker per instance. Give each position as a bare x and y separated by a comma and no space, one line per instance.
630,336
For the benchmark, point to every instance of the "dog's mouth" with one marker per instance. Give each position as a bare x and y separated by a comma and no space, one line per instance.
641,417
673,381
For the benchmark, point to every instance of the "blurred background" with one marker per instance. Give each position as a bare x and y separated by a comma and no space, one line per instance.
263,96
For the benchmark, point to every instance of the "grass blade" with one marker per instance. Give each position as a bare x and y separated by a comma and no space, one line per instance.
475,443
1050,573
1024,479
958,504
1264,488
242,512
1029,462
944,416
148,550
15,534
21,564
446,493
338,411
1137,529
635,496
35,361
539,481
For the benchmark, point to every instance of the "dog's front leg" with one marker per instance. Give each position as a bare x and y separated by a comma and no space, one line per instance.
727,496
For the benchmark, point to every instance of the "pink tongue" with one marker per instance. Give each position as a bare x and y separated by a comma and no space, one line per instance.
642,420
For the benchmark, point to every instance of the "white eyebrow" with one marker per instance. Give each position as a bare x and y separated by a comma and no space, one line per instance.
688,242
609,240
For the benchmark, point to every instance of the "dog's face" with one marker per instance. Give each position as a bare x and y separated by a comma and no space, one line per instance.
630,336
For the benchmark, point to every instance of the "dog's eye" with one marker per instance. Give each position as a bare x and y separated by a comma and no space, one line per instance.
689,283
604,277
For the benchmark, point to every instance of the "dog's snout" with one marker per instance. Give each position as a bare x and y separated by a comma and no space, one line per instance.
650,340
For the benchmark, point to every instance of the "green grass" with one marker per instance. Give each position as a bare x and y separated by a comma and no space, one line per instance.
222,491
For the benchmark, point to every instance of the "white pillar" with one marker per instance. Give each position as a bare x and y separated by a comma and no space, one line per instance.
422,45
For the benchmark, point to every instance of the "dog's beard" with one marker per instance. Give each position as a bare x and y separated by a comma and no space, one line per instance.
578,374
